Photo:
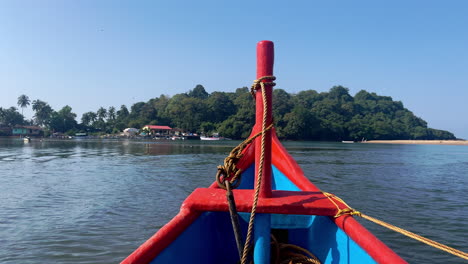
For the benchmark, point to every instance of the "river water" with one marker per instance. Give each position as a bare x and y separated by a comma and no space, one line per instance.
80,201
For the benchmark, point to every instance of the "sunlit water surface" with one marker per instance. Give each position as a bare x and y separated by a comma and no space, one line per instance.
96,201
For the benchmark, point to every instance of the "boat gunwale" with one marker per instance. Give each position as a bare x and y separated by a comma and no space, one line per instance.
380,252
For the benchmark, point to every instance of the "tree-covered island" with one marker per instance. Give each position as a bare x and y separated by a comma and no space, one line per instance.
308,115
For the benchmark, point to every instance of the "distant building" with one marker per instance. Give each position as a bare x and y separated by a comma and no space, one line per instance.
158,130
27,131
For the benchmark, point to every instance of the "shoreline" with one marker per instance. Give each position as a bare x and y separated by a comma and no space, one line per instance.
420,142
406,142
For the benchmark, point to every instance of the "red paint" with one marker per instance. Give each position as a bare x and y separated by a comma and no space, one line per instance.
281,202
159,127
265,59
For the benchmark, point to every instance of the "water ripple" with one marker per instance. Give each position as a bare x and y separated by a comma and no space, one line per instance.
96,201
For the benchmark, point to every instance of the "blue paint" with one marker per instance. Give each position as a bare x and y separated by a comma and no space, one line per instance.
284,221
210,238
262,235
328,242
247,180
279,180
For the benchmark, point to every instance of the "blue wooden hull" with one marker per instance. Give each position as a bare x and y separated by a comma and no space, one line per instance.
209,237
210,240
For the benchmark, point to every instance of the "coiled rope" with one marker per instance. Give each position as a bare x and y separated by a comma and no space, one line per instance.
350,211
229,170
287,254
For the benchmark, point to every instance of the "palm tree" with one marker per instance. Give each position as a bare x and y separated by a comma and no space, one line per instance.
2,115
43,112
111,113
101,113
23,102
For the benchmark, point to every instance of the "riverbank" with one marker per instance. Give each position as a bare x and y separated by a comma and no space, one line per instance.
420,142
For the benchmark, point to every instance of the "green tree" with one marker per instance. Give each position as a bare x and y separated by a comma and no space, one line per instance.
440,134
88,118
187,113
159,105
101,113
101,122
282,104
239,125
11,117
198,92
219,107
122,113
300,123
23,102
207,128
43,112
111,113
63,120
234,128
307,99
174,110
121,121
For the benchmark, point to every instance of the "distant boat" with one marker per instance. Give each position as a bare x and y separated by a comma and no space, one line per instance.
27,139
347,141
211,138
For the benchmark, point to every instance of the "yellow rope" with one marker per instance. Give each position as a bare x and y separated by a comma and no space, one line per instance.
260,82
289,254
229,168
427,241
260,165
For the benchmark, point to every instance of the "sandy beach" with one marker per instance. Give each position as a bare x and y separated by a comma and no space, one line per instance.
420,142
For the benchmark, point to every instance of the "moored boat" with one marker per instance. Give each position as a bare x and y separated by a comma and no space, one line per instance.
277,206
214,137
210,138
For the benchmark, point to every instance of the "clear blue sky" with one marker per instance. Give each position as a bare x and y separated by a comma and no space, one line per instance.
89,54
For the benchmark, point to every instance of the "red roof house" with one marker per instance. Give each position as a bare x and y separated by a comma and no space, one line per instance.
158,130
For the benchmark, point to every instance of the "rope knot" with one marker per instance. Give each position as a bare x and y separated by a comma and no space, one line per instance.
230,173
259,83
348,211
